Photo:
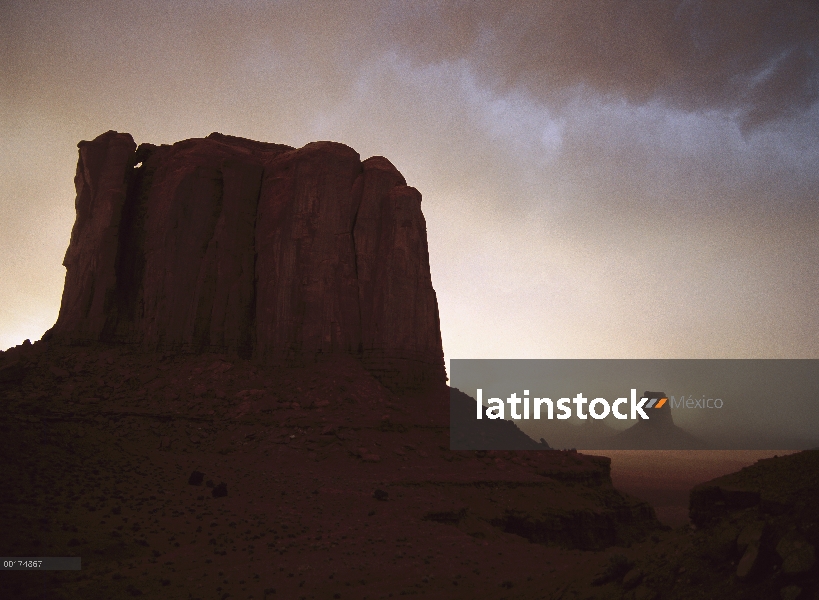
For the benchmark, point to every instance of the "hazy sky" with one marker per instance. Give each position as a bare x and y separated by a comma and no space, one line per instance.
600,178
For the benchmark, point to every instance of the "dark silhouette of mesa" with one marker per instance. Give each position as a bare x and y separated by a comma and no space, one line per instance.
244,396
659,432
224,243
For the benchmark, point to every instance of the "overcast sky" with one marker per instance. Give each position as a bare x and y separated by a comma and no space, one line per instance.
599,178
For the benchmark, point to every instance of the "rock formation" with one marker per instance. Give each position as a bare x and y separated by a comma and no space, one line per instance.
659,432
468,433
260,249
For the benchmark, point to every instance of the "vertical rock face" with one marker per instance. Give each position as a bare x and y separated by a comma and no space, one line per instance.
398,306
90,261
307,297
261,249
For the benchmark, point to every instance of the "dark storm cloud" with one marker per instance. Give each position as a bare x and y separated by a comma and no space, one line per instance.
759,59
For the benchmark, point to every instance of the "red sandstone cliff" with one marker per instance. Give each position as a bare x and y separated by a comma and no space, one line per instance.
255,248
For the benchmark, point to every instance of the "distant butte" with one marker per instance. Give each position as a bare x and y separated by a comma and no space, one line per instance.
259,249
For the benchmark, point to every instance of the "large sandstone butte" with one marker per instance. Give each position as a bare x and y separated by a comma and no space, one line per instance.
260,249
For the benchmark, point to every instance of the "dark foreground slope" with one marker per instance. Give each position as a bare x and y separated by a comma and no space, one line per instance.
466,432
336,487
754,537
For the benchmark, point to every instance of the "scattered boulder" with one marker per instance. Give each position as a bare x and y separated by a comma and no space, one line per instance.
751,534
220,491
790,592
708,503
58,372
749,561
722,544
448,517
380,495
617,567
196,478
632,579
12,372
798,556
645,593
